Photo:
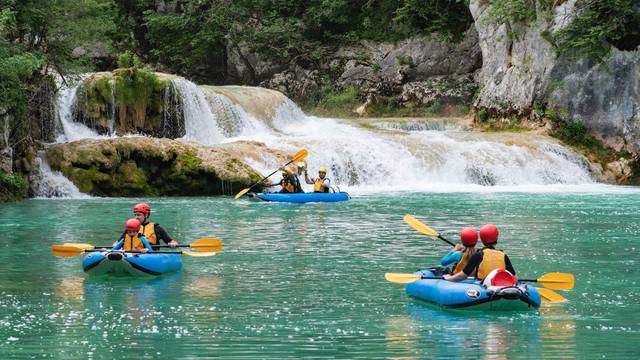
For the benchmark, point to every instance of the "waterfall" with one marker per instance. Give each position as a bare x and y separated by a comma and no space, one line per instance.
385,155
200,121
65,105
52,184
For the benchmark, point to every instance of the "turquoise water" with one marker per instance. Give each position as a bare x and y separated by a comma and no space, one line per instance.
308,280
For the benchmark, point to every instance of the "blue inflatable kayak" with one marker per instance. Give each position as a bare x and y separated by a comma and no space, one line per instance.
121,263
303,197
471,294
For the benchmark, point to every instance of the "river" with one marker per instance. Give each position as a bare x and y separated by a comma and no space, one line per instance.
308,280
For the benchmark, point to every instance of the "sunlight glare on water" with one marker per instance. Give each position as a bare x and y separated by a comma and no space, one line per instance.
308,280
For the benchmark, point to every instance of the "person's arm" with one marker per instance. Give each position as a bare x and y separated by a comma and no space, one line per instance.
119,244
508,266
327,184
468,270
457,277
162,234
307,179
146,244
298,185
453,256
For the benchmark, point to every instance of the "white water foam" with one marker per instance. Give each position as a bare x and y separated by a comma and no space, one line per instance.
366,159
201,123
67,99
52,184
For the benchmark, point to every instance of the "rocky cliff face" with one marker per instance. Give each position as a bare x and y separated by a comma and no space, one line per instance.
604,97
521,71
141,166
419,71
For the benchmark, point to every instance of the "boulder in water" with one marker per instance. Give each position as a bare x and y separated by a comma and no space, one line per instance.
140,166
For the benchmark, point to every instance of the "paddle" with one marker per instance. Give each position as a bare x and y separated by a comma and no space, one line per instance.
70,251
546,294
550,295
557,281
420,227
297,157
206,244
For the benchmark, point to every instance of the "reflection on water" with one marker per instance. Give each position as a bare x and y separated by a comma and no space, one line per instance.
70,289
429,331
557,332
401,337
307,281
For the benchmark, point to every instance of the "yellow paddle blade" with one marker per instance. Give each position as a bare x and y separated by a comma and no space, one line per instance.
83,246
206,241
67,251
207,245
550,296
417,225
198,254
401,278
557,281
300,155
242,192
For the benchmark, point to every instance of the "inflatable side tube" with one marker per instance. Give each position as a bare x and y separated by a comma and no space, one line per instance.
303,197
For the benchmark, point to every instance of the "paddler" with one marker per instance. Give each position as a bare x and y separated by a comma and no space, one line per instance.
486,260
132,239
152,232
322,184
289,183
461,254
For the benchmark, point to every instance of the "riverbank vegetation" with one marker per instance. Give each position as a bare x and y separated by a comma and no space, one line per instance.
42,43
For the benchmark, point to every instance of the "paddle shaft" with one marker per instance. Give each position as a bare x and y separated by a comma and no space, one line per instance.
445,240
139,252
266,177
470,278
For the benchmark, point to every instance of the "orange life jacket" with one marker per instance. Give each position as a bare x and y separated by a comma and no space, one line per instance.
491,259
149,232
133,243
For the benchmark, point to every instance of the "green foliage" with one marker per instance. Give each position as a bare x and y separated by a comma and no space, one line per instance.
575,133
12,187
337,102
405,60
136,86
511,11
483,115
599,25
125,59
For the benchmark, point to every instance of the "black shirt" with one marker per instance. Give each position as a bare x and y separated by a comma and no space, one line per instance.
476,259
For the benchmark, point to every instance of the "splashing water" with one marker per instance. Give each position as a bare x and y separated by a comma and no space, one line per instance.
52,184
405,157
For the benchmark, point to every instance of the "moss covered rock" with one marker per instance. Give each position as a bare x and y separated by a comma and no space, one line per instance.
140,166
130,100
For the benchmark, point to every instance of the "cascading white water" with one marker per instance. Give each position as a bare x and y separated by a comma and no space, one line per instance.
421,160
67,99
410,157
201,123
52,184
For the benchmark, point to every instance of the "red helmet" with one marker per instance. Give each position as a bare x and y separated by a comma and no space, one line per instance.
132,224
489,234
469,236
142,208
